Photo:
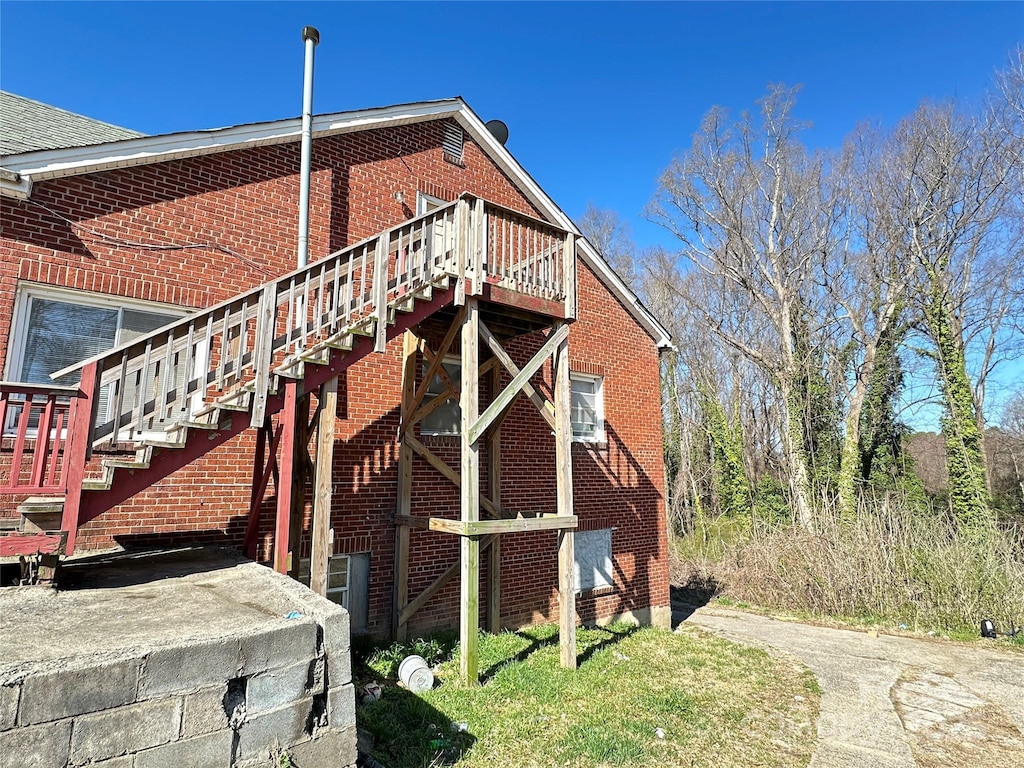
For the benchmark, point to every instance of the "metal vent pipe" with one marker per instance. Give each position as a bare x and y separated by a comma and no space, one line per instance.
311,37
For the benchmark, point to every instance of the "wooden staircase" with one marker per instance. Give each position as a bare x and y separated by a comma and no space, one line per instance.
168,398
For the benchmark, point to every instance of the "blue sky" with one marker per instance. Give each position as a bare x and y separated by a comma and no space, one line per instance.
597,96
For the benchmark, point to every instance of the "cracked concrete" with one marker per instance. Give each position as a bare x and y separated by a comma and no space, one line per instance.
894,702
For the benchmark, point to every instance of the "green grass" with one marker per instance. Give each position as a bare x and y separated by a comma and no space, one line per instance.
716,703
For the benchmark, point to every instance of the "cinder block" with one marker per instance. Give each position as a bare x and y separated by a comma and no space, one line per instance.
341,706
204,712
212,750
286,644
9,695
339,669
40,746
189,668
277,687
70,692
284,726
329,747
125,729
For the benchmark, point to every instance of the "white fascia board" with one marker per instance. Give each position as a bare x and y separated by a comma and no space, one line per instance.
54,163
504,159
15,185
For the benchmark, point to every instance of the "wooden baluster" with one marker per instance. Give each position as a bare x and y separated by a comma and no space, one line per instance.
54,460
166,379
42,441
223,350
119,397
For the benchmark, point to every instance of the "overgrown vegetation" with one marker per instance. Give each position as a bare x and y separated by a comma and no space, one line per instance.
714,702
891,566
813,296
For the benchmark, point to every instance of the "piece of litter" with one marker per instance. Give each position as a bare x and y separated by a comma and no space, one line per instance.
293,615
460,727
621,656
659,733
372,692
798,698
903,626
872,633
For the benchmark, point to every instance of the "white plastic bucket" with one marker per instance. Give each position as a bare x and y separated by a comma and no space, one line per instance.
415,674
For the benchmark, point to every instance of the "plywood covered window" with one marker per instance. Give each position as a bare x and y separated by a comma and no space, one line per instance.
593,565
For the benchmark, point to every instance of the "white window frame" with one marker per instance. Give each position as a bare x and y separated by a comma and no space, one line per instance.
427,432
426,203
338,595
599,432
27,291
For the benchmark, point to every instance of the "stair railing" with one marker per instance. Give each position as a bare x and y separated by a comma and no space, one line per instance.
170,376
35,420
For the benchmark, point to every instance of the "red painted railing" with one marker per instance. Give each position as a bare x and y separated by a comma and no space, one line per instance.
37,421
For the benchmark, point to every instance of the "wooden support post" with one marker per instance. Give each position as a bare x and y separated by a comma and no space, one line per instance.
299,473
563,469
404,507
322,544
285,486
469,625
494,486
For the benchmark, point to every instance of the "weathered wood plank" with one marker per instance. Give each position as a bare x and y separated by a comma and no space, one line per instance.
321,548
469,625
504,400
410,345
506,525
563,479
494,490
544,406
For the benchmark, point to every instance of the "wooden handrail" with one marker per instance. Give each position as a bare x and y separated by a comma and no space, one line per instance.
165,376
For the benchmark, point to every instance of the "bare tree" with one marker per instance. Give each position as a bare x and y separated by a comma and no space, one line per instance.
754,211
948,221
610,235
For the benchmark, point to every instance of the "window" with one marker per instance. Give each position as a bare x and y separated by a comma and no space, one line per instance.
427,203
593,562
348,578
587,408
446,418
55,328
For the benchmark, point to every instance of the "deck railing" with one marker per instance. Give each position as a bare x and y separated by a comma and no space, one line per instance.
171,375
35,420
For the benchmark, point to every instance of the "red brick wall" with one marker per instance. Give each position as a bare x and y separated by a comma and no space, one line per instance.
242,206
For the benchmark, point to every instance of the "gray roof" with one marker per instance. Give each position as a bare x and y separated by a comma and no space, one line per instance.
27,125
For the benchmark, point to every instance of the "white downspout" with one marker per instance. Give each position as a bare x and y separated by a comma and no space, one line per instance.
311,37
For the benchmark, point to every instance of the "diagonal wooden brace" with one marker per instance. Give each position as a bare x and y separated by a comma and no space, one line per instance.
502,401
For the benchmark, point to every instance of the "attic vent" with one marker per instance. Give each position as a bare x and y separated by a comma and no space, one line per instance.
452,144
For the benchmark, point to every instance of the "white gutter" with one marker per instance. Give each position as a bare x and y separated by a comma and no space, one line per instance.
311,37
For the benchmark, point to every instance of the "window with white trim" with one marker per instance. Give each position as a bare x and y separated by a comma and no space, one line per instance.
587,408
446,418
348,579
592,564
56,327
337,577
426,203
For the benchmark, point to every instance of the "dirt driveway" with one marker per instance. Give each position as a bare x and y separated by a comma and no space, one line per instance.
895,702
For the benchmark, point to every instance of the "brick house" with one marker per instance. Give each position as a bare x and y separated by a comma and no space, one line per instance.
435,262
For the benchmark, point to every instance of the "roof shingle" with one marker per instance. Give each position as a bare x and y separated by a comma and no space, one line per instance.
27,126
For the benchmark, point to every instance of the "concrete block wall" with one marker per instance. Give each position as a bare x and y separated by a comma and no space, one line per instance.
231,701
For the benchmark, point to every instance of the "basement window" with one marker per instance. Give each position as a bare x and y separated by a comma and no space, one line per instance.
587,408
593,560
347,584
446,418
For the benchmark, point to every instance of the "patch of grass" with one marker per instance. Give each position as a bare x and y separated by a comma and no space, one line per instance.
716,703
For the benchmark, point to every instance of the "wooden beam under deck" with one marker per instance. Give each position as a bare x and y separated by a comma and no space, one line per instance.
507,525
